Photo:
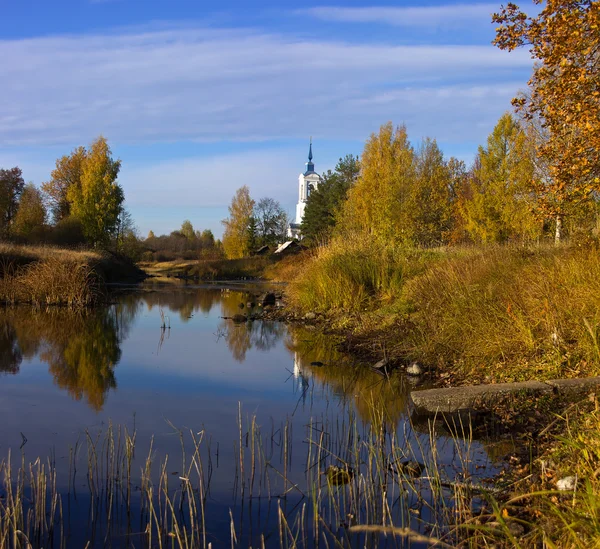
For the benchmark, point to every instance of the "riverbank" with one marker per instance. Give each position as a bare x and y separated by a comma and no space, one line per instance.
467,316
45,275
202,270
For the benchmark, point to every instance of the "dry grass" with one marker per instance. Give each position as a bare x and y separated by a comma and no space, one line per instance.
501,313
212,269
37,253
44,275
350,275
51,281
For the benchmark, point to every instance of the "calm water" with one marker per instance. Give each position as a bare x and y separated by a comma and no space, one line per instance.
63,374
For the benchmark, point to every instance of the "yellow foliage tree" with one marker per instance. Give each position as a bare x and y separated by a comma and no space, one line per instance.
237,235
31,213
501,207
66,175
564,38
378,203
98,201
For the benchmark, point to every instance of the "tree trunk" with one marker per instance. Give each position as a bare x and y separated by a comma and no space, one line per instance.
559,226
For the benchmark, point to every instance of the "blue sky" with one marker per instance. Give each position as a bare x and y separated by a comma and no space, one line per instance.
198,98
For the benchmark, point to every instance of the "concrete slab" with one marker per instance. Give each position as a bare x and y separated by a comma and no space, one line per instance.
579,385
455,399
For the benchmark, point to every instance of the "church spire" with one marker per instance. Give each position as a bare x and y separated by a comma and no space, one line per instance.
310,167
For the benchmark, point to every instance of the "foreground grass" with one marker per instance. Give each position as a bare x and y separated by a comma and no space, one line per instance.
359,483
554,495
476,314
45,275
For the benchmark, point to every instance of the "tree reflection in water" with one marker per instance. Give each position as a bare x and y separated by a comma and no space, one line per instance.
378,399
185,302
241,337
81,349
10,353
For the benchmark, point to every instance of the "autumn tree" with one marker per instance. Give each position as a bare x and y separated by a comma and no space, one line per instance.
187,229
430,211
502,202
31,213
325,201
66,175
97,202
236,237
378,204
564,39
11,187
271,222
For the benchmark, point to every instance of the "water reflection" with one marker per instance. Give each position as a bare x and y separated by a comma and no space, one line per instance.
82,351
10,353
241,337
376,397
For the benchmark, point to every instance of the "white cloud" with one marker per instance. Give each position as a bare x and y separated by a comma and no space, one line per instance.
450,15
219,85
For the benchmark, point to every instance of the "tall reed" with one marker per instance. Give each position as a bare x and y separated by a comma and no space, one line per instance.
359,482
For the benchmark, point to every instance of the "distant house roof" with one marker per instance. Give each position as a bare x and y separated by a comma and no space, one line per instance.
286,246
262,250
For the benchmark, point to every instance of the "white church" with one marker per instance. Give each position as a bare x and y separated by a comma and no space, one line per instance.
307,181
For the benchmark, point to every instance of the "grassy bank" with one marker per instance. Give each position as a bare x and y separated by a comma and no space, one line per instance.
475,314
44,275
256,267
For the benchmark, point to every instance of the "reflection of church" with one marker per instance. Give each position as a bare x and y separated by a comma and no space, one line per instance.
307,181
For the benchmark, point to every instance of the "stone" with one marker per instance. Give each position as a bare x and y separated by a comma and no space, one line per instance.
414,369
575,386
310,316
455,399
567,483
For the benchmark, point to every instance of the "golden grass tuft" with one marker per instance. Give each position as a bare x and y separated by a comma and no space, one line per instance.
44,275
51,281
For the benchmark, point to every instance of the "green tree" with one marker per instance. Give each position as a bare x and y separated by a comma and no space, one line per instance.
207,239
187,229
11,187
430,211
379,202
98,201
502,203
325,201
31,214
271,222
66,175
236,236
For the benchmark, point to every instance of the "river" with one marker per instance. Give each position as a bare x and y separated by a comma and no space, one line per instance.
260,433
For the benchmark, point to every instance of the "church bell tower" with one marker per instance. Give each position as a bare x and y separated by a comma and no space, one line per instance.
307,182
